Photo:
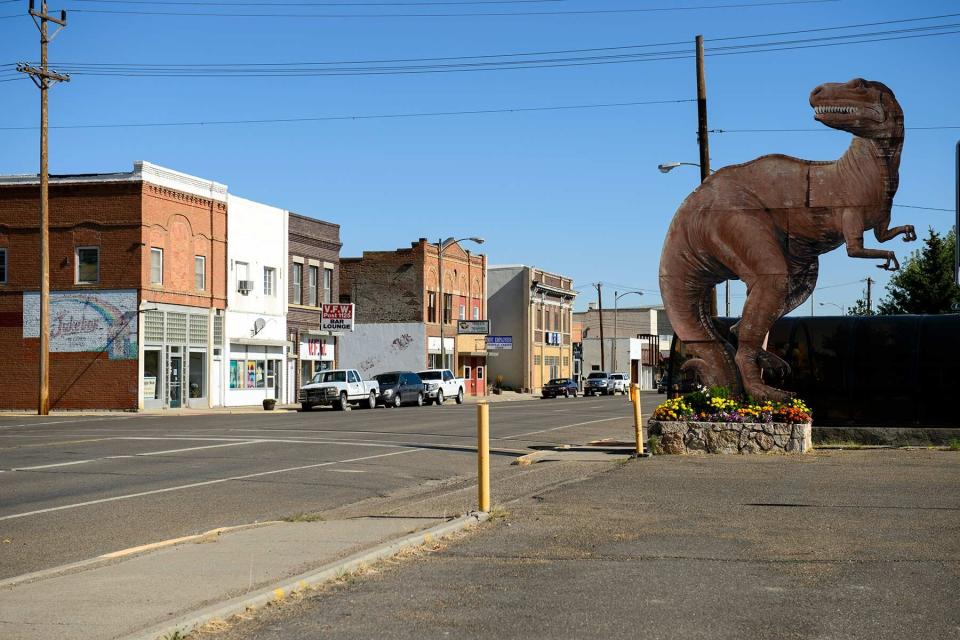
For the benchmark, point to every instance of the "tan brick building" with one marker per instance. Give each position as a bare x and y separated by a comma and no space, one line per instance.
533,310
400,310
137,286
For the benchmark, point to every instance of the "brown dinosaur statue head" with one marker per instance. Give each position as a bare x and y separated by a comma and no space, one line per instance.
864,108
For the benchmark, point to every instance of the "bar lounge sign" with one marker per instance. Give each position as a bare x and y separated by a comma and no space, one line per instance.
337,317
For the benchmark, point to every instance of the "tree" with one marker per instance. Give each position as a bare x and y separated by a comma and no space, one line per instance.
859,308
925,284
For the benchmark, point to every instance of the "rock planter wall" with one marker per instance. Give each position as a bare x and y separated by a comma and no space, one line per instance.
731,437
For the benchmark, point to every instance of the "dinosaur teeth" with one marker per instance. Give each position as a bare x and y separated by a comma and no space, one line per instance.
834,109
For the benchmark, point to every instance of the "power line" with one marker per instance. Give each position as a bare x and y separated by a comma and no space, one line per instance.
913,206
424,114
313,4
740,5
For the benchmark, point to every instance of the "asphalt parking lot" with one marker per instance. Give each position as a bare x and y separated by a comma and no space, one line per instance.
77,487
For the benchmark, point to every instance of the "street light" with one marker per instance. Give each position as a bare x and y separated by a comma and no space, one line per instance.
667,167
843,310
616,333
443,245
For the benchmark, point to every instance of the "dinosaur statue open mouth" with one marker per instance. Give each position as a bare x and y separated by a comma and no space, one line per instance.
834,109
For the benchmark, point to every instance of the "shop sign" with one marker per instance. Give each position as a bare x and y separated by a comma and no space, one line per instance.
87,321
336,317
473,327
499,342
150,387
313,348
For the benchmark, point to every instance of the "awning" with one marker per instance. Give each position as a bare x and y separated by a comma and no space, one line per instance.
254,342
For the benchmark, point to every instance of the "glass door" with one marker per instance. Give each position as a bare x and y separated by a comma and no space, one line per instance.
196,371
176,381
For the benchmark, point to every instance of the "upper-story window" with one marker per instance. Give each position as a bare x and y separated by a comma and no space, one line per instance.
200,272
243,277
269,281
156,265
88,265
431,306
463,312
3,266
327,285
447,307
476,312
313,274
297,279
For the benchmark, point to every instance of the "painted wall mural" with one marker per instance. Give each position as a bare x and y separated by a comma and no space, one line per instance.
87,321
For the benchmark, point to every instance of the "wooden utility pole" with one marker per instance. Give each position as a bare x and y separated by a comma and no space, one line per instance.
44,79
599,287
703,141
869,297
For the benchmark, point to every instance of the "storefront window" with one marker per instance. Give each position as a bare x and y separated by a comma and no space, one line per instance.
236,380
197,371
151,375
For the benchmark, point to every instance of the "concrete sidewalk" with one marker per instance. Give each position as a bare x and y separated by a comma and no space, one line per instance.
839,544
141,593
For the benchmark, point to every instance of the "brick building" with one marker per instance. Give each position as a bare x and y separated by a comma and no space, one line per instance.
137,281
399,311
314,268
534,309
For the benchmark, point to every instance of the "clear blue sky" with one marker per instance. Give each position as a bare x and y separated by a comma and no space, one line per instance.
573,191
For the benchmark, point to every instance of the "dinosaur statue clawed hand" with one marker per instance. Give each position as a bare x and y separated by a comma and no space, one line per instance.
767,221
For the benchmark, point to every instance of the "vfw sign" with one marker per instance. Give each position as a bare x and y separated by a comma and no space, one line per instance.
336,317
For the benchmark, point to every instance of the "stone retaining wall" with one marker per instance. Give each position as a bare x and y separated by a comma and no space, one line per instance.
731,437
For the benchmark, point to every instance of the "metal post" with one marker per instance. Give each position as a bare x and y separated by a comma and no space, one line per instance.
442,303
637,421
483,457
599,286
43,78
726,297
615,332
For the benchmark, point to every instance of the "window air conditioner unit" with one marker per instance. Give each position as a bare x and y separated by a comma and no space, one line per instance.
244,286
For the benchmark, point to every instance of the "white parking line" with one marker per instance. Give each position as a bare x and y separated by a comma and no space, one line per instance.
205,483
566,426
132,455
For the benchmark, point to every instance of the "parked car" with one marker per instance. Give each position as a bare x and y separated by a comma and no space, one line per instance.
559,387
442,384
598,382
400,387
621,382
339,388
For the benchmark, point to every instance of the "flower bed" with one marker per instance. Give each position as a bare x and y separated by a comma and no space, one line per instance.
709,421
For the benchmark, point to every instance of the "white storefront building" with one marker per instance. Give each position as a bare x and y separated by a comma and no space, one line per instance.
255,363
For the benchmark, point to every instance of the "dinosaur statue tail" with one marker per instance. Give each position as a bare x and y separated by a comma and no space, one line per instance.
688,308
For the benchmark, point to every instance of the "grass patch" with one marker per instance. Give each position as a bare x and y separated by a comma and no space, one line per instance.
954,444
653,445
303,517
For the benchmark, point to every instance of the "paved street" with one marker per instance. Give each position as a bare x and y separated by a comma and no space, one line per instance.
76,487
839,544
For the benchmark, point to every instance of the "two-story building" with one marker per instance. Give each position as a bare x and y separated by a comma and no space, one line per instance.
255,366
531,318
406,321
137,287
314,268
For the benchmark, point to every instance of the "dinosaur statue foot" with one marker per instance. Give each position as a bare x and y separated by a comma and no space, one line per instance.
760,391
773,363
709,367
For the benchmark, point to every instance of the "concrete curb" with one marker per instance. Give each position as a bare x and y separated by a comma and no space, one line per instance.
247,602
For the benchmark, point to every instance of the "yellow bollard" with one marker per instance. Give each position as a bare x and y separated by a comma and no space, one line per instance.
483,456
637,420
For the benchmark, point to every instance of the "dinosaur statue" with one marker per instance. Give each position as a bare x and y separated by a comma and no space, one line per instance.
767,221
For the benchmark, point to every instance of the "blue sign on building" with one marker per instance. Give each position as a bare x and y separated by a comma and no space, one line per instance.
499,342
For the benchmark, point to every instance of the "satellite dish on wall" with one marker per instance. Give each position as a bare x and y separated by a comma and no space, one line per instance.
258,325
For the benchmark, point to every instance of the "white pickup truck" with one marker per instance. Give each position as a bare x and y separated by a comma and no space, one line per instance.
339,388
442,384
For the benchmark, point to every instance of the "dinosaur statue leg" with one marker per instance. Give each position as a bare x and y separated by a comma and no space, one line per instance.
765,271
686,300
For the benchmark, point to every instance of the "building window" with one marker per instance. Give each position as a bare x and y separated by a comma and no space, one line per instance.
88,265
3,266
447,307
200,272
476,312
463,312
312,273
431,306
327,285
156,265
539,314
244,285
269,281
297,283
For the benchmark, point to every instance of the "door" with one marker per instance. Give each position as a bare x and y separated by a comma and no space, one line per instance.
273,375
176,371
480,382
354,388
468,381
